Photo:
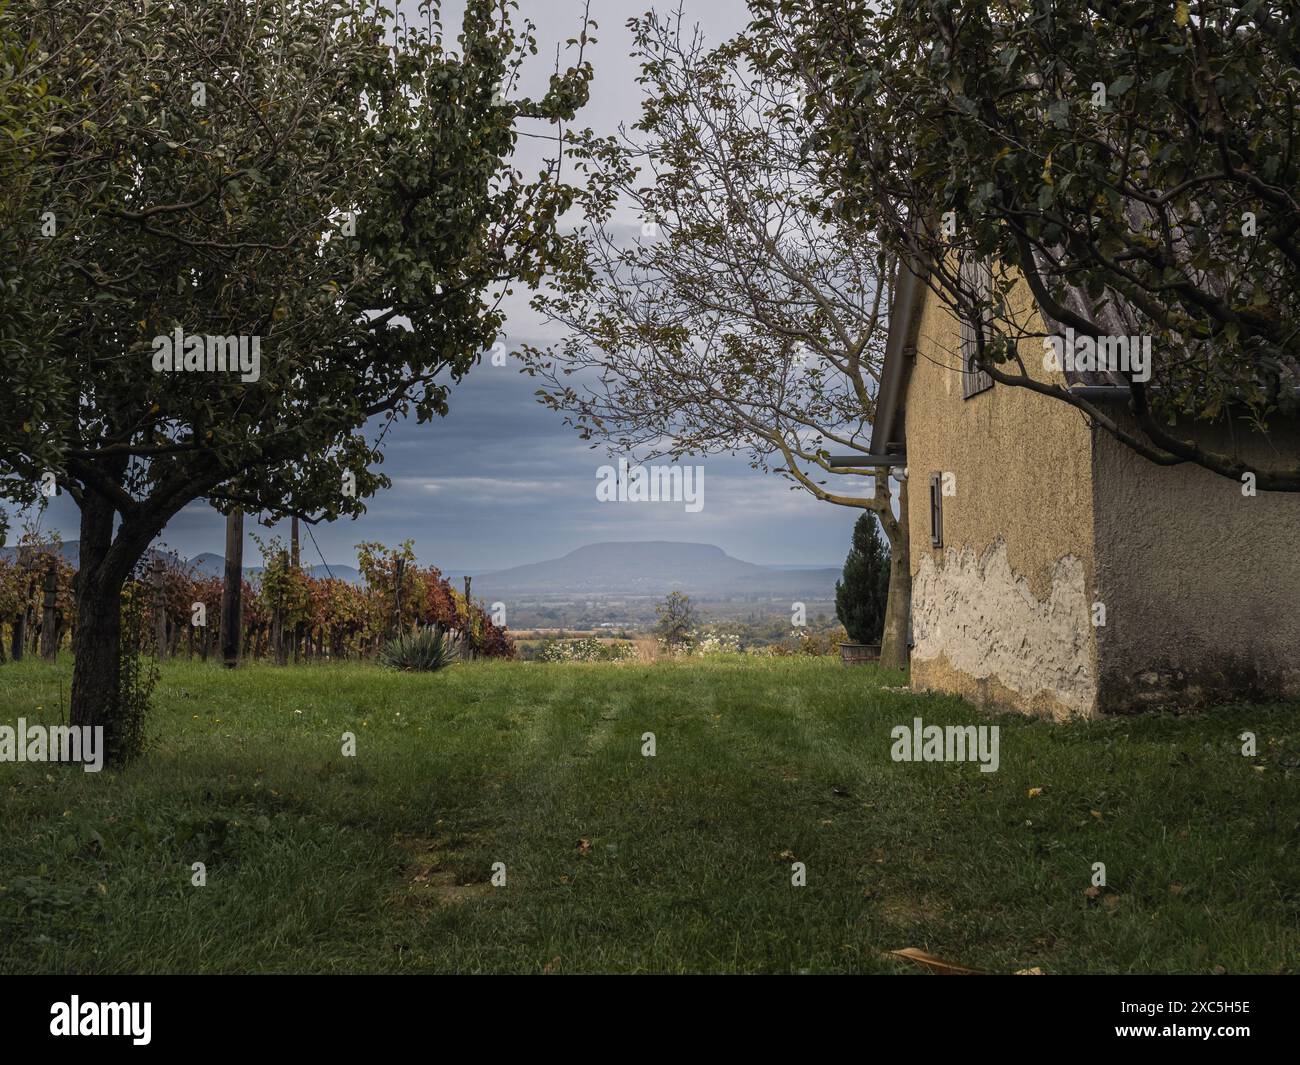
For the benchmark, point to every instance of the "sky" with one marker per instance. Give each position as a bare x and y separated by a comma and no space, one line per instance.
501,481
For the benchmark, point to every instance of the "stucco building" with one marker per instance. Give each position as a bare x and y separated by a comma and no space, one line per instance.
1056,571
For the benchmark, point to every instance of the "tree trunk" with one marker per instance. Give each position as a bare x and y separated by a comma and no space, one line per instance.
898,607
97,638
96,647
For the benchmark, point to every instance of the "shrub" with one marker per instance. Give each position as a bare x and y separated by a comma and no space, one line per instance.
426,650
861,596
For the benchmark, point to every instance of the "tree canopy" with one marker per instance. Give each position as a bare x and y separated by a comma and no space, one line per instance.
1134,163
312,180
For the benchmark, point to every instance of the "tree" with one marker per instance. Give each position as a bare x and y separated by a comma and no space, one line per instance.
1134,164
27,111
306,179
741,320
860,598
677,620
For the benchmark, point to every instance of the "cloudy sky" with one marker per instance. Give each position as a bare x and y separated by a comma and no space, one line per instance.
501,481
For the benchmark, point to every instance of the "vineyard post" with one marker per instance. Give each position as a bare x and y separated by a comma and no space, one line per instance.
277,622
159,608
232,625
20,620
49,632
296,560
467,648
397,596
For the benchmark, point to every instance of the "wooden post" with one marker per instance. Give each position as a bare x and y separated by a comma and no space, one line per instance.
49,623
159,608
397,597
466,646
296,560
281,645
232,614
19,644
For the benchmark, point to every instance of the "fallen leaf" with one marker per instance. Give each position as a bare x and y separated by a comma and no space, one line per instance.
930,962
1035,971
584,845
1035,792
1096,814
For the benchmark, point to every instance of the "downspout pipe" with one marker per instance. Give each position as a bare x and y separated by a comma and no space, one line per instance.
842,462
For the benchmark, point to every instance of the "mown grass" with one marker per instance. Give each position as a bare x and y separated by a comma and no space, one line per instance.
617,862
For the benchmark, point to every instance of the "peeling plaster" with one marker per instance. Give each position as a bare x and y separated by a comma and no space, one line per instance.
983,618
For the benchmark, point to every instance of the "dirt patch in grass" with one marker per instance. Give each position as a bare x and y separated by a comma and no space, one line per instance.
435,871
908,911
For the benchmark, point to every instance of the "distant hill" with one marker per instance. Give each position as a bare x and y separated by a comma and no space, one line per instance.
212,565
215,566
70,551
653,567
644,567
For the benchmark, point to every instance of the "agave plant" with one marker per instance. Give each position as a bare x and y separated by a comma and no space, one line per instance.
425,650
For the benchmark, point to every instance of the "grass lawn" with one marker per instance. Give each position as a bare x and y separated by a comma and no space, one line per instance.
617,862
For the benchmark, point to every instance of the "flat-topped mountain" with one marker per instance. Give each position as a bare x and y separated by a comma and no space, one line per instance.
653,567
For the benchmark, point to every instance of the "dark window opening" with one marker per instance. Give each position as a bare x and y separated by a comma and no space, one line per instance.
936,510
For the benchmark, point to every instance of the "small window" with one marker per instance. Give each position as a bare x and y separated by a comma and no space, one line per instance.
936,510
976,277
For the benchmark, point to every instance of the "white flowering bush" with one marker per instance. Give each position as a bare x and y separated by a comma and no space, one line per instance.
717,643
586,650
705,642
